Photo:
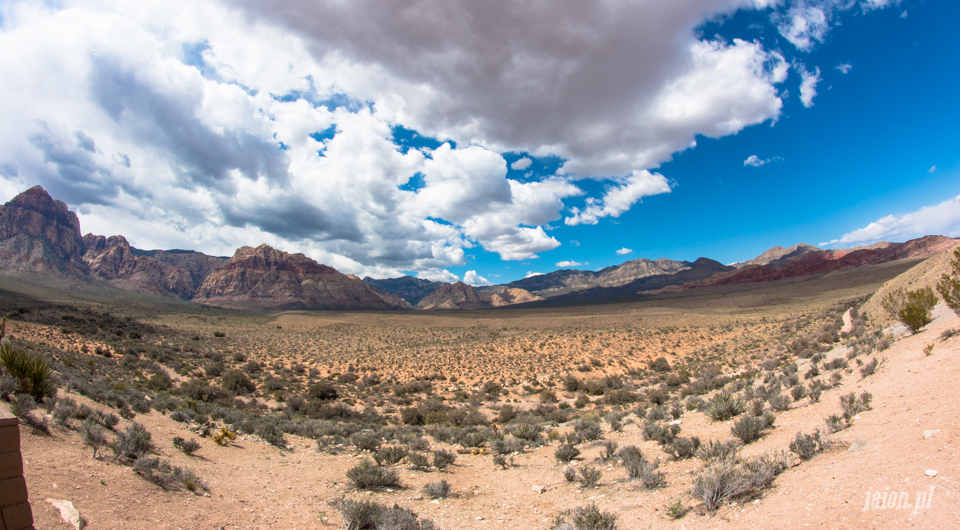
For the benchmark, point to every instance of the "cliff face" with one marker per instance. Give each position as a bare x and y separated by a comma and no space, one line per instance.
40,235
113,260
266,278
407,287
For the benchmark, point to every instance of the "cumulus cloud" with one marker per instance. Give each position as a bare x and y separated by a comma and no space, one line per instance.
472,278
808,86
436,275
805,23
939,219
619,197
521,164
624,251
566,264
932,169
211,124
844,68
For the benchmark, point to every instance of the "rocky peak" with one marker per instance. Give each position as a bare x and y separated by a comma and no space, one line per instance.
35,214
97,244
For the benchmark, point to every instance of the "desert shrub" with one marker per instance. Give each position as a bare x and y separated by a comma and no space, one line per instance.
366,440
658,396
31,372
390,455
676,510
570,474
616,421
780,402
368,476
187,446
566,453
806,446
587,429
728,479
869,368
502,461
93,435
132,443
437,490
62,412
836,423
749,428
443,458
609,450
586,518
683,448
182,416
756,407
656,414
853,405
660,364
167,476
798,392
649,474
723,407
322,391
619,396
419,461
663,435
816,389
715,450
911,308
949,284
507,413
503,446
236,381
527,431
369,515
589,476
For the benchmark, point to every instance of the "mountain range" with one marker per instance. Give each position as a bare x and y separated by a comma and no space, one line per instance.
40,236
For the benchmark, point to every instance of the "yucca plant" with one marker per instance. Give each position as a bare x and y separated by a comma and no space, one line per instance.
31,371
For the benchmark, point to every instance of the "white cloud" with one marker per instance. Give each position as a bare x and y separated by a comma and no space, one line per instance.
188,123
437,275
472,278
755,161
932,169
619,197
624,251
521,164
805,23
939,219
808,86
844,68
531,274
566,264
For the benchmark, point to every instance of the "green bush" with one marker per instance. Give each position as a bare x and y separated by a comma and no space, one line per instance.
723,407
911,308
949,284
31,372
363,515
566,452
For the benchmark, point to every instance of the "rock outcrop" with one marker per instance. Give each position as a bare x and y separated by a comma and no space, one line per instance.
266,278
779,257
566,281
40,235
462,296
162,273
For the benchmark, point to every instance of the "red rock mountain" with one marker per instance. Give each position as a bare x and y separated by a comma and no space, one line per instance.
815,262
162,273
40,235
266,278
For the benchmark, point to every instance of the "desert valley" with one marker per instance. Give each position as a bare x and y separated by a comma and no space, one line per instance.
266,390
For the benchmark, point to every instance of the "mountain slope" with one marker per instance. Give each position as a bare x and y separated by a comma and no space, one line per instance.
462,296
407,287
266,278
565,281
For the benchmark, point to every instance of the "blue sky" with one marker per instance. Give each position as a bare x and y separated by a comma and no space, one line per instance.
483,142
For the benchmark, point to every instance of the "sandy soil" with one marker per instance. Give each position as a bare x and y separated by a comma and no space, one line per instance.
255,485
